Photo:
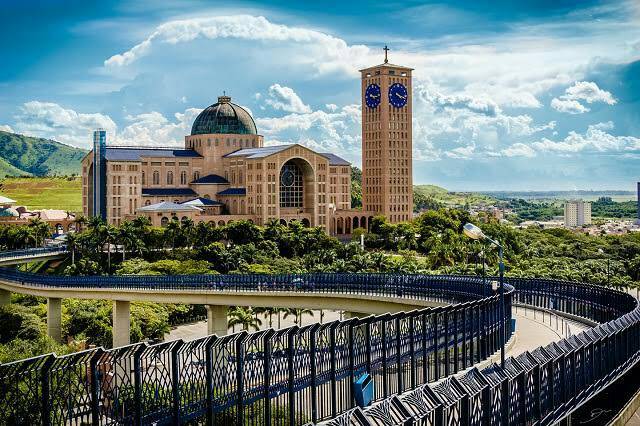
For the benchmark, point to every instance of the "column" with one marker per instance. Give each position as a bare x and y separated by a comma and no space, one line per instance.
54,318
5,297
121,317
217,320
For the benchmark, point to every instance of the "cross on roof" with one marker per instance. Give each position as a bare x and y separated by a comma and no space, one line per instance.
386,49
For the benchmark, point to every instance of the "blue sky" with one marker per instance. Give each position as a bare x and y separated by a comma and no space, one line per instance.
507,95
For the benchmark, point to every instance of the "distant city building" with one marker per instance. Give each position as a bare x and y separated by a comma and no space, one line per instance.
577,213
225,173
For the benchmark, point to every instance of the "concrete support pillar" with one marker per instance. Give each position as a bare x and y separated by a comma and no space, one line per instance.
54,318
217,320
5,297
121,322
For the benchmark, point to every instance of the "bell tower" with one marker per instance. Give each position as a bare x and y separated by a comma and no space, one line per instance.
387,182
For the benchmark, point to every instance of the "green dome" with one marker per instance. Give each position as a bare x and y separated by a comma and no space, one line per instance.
224,117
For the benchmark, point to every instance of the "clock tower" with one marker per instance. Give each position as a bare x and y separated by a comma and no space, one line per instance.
387,183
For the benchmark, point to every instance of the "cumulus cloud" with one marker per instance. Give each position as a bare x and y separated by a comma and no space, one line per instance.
285,99
329,53
481,104
6,128
519,150
569,106
154,129
594,140
586,91
52,121
325,131
590,92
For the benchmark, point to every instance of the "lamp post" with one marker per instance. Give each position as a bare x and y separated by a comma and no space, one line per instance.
475,233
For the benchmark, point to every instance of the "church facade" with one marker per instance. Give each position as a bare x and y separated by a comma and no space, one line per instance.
225,173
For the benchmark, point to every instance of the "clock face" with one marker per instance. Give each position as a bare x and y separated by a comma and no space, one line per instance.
398,95
287,178
372,95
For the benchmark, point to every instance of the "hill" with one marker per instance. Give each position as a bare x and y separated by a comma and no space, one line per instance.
44,192
450,199
28,156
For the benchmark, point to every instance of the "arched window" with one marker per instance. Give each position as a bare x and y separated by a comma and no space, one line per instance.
147,203
196,175
144,181
156,177
183,178
291,185
169,178
164,221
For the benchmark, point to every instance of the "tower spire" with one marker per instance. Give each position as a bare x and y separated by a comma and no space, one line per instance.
386,50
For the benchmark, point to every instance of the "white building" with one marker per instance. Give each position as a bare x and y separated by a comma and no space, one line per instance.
577,213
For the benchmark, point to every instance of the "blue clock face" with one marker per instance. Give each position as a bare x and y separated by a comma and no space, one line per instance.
398,95
372,95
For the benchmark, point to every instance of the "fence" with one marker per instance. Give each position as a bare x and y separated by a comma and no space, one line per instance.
539,387
282,377
299,375
31,252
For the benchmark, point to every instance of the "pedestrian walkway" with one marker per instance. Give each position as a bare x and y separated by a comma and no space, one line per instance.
533,328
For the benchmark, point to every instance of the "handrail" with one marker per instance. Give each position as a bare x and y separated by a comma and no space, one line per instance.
32,252
306,374
217,377
543,386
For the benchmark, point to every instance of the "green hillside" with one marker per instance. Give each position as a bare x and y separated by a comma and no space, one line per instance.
24,155
64,193
450,199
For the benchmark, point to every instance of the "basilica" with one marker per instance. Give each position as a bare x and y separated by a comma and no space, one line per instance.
226,173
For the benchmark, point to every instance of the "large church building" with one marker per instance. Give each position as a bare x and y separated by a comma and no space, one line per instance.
225,173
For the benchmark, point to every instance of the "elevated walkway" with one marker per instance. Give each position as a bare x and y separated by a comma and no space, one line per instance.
17,257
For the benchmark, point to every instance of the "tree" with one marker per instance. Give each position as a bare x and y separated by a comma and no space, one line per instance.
243,317
40,230
72,245
297,314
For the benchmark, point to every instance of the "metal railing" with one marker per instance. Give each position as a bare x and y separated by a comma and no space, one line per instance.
284,377
539,387
31,252
298,375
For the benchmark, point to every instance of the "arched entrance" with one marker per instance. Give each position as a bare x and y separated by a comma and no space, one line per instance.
297,192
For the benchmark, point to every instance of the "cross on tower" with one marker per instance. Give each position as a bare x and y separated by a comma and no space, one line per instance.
386,49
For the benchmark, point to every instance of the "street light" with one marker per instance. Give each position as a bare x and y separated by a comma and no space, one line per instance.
475,233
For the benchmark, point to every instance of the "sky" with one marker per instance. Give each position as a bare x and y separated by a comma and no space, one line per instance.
528,95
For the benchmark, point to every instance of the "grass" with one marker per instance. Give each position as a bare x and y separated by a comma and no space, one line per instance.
452,199
63,193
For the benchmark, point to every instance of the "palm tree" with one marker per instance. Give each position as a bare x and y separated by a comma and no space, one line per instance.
297,314
107,234
40,229
128,235
173,230
72,245
243,317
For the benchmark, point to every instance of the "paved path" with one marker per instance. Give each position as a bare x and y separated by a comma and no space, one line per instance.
533,328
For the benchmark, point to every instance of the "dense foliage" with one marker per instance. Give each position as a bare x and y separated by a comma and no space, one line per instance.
24,155
606,207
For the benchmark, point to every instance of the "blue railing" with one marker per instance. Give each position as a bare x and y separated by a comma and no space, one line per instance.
31,252
540,387
299,375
